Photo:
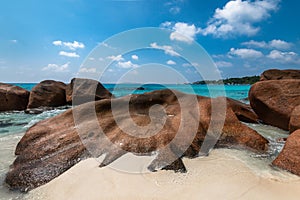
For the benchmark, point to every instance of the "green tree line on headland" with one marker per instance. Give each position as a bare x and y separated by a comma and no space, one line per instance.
247,80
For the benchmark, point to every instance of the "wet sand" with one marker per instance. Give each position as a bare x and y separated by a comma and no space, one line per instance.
224,174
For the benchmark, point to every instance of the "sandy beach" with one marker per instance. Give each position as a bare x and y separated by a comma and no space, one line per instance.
225,174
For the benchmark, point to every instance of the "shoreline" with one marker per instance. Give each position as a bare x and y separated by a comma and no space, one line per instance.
224,173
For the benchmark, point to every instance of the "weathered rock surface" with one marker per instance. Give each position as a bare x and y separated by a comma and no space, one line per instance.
289,157
243,111
273,101
47,93
86,90
156,121
276,74
13,97
295,119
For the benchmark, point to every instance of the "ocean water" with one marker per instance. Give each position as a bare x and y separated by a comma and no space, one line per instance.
238,92
14,124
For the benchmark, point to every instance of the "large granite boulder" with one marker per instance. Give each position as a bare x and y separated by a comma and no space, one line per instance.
47,93
243,111
295,119
13,97
273,101
276,74
166,122
289,157
86,90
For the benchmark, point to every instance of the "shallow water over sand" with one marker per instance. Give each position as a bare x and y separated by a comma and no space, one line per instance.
12,128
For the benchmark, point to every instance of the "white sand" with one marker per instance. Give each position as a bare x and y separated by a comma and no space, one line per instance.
225,174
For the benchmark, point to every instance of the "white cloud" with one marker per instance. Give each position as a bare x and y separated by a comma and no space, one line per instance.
106,45
14,41
88,70
171,62
71,45
174,6
239,17
167,49
115,58
175,10
273,44
74,45
280,44
245,53
57,68
69,54
134,57
57,43
184,32
194,64
252,43
127,65
166,24
284,57
223,64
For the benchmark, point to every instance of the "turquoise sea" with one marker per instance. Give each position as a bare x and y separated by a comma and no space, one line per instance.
14,124
233,91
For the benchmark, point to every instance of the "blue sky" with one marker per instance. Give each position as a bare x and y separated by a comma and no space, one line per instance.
53,39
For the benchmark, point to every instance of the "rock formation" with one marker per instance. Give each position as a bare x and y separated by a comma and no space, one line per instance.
243,111
13,97
86,90
47,93
273,101
276,74
289,157
163,121
295,119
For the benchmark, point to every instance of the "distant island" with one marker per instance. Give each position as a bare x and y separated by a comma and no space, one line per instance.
247,80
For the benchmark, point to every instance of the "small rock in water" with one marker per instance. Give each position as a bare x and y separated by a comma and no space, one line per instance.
140,88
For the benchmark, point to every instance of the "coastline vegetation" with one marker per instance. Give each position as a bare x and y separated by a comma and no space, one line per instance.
247,80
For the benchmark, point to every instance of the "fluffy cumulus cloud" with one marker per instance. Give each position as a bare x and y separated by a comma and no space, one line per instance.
284,57
57,68
171,62
127,65
69,54
87,70
279,44
183,32
134,57
57,43
256,44
116,58
245,53
273,44
167,49
70,45
240,17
